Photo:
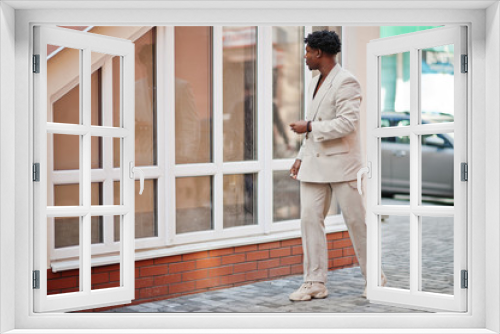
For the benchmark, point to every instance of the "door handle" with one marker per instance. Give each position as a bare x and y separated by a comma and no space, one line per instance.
368,171
139,171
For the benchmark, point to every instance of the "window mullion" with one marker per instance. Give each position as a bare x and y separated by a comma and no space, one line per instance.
265,127
166,49
85,169
217,190
161,67
107,163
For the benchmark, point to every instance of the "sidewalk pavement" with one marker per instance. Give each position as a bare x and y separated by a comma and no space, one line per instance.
345,286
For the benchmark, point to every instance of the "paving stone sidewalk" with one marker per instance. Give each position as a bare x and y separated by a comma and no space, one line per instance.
345,287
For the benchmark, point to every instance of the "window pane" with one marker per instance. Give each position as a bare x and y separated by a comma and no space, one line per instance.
67,195
288,92
437,254
66,234
63,84
395,167
286,197
145,99
395,85
96,149
437,84
116,83
193,94
66,151
110,277
240,200
239,93
193,199
437,168
146,210
395,249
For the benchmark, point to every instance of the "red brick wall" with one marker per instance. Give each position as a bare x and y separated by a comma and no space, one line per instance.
178,275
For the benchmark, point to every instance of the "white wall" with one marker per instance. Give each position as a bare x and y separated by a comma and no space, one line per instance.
492,167
7,160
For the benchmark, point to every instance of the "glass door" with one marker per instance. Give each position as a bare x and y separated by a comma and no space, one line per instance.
417,136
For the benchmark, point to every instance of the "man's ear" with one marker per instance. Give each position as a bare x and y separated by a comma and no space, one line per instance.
319,54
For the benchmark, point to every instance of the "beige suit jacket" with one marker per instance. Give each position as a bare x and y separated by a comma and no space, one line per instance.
331,152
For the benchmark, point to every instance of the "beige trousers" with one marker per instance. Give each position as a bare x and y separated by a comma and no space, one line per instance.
315,202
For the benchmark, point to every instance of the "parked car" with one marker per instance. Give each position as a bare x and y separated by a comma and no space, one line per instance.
437,158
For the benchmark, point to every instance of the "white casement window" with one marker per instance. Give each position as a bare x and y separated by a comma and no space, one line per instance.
63,86
18,247
433,150
73,132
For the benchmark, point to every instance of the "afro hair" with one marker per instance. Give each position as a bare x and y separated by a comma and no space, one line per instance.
326,41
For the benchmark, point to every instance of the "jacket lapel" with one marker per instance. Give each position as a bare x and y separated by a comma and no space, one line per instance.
320,95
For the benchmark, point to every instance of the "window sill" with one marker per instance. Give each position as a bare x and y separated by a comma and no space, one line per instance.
58,266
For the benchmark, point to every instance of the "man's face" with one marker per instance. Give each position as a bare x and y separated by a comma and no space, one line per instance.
312,58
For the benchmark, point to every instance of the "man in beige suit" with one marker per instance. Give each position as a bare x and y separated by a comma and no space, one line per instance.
328,161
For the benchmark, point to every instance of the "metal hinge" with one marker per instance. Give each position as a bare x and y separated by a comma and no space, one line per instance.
36,63
36,279
465,64
465,279
36,172
464,171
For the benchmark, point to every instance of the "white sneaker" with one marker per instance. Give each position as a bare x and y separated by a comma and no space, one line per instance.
383,283
308,291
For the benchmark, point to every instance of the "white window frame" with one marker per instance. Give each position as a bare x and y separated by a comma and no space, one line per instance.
483,100
107,175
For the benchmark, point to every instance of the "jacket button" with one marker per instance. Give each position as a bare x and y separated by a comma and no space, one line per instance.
317,155
320,119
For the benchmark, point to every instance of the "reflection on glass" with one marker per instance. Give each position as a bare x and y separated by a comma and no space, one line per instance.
193,94
288,95
286,197
193,199
96,152
66,151
145,99
240,200
65,108
116,152
96,92
111,277
96,193
66,234
395,84
395,167
146,210
239,93
116,82
67,195
395,248
437,254
437,167
67,231
437,84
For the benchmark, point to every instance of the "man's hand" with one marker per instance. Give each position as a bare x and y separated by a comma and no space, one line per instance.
299,127
295,169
